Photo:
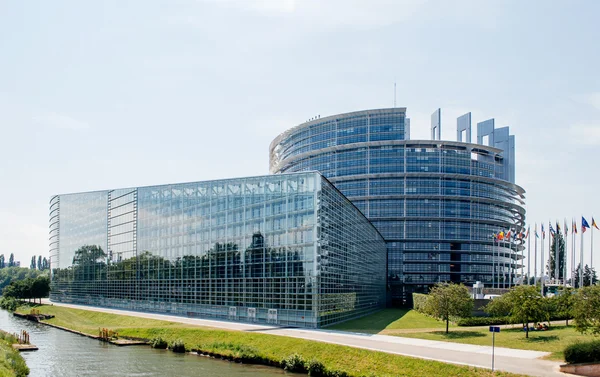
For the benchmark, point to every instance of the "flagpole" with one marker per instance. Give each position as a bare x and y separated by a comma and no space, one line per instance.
592,246
542,265
529,256
565,254
574,258
556,256
581,257
535,254
493,258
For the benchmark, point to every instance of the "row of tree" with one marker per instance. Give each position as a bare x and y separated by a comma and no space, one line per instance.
11,261
523,304
39,263
28,288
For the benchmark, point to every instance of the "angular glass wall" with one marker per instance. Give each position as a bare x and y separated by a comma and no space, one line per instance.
248,249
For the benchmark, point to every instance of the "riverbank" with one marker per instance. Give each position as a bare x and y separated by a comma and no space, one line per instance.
12,363
271,348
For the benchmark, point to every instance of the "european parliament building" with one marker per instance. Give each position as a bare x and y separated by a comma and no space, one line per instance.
436,203
354,216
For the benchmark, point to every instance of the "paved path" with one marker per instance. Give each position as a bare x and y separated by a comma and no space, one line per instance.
507,359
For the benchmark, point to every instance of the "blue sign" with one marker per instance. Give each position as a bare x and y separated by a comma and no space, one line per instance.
494,328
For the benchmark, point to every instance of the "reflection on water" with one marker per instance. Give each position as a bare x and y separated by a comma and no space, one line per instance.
65,354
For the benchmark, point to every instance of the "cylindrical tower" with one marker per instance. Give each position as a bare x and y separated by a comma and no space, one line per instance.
436,203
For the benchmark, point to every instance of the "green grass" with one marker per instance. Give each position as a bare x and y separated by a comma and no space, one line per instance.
391,322
356,362
554,340
12,363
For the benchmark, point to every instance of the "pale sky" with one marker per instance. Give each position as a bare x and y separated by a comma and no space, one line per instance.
110,94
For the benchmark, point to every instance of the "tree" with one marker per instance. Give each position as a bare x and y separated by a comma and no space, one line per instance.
586,309
39,263
565,303
449,300
523,304
2,264
11,260
45,264
557,238
589,276
32,264
40,287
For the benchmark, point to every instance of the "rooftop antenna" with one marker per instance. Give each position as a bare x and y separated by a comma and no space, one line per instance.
394,93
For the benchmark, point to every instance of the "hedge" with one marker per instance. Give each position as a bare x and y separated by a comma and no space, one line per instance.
583,352
419,301
483,321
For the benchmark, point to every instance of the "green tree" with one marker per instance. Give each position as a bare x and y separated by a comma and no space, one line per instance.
551,266
523,304
565,303
586,310
39,263
40,287
449,300
32,264
2,263
11,260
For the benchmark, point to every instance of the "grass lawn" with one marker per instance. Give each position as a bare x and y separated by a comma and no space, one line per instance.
354,361
554,340
391,322
409,323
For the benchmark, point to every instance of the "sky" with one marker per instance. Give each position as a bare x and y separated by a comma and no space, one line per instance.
110,94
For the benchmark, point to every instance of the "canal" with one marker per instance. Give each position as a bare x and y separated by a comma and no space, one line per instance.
64,354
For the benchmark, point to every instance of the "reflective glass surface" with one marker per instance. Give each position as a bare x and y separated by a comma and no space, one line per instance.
286,249
436,204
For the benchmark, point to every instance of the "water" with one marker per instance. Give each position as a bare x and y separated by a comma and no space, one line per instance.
64,354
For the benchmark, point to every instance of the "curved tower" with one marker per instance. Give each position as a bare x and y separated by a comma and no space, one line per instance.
436,203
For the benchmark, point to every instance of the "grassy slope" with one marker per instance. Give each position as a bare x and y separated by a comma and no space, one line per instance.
390,322
352,360
11,362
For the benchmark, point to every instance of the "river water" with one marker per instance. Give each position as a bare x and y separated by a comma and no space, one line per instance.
63,354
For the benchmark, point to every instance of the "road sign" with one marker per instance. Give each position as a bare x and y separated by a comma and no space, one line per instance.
494,330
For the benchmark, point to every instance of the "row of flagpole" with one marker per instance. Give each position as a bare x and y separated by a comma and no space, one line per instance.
505,237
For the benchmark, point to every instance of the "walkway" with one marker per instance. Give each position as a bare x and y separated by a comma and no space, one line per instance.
507,359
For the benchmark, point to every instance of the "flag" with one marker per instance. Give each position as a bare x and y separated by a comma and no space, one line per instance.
574,227
594,224
557,227
584,224
536,234
566,228
543,233
551,228
500,236
527,233
507,235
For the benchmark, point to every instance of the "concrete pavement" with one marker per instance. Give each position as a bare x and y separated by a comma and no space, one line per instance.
506,359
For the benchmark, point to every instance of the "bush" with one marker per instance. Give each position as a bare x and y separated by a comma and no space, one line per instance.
177,346
583,352
9,303
483,321
419,301
294,363
316,368
158,343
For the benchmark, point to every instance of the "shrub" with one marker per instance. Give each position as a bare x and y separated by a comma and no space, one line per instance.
9,303
419,301
483,321
158,343
177,346
294,363
316,368
583,352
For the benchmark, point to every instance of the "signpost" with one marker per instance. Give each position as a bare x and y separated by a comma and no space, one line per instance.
494,330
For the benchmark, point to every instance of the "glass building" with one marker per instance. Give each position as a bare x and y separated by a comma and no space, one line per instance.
436,203
283,249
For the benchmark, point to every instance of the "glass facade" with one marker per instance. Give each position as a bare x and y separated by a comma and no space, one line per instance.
286,249
436,203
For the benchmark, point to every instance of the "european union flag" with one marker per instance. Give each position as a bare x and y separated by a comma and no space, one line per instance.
584,224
